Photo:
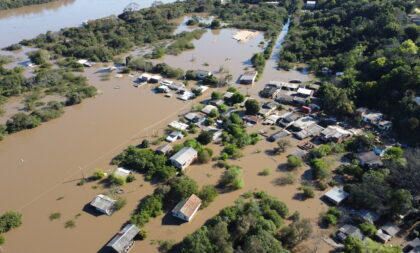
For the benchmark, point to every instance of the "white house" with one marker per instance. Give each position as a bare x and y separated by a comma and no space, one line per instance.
187,208
103,204
336,195
123,241
201,74
183,158
178,125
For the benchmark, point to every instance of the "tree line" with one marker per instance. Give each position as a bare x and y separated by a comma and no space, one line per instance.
10,4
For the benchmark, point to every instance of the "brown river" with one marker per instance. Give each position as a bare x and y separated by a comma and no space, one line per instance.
39,168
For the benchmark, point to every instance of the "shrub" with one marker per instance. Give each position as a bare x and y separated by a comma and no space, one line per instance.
70,224
319,168
204,156
205,137
308,192
130,178
295,216
98,174
145,144
294,162
329,219
287,179
265,172
232,178
142,234
368,228
120,203
55,216
117,180
1,240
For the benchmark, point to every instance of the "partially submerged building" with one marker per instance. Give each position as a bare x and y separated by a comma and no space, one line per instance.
103,204
364,215
335,196
183,158
369,159
335,134
349,230
123,241
178,125
387,231
164,149
248,77
279,135
187,208
208,108
201,74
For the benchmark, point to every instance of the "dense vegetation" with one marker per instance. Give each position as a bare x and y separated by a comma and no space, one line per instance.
374,44
10,4
251,225
8,221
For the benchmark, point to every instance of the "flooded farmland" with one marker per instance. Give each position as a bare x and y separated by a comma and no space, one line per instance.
41,167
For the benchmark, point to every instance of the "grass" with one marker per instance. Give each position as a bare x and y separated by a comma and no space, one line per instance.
55,216
70,224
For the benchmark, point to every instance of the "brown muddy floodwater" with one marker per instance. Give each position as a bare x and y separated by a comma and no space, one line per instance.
29,21
39,168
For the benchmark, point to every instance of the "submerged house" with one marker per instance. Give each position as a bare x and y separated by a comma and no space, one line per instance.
387,231
336,195
269,92
335,134
369,159
103,204
164,149
123,241
364,215
201,74
349,230
187,208
183,158
248,77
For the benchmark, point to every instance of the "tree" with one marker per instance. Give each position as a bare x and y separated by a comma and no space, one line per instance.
39,57
295,233
394,153
215,24
10,220
319,168
294,162
368,228
21,121
210,80
216,95
205,137
308,192
207,194
236,98
145,143
98,174
1,240
181,188
204,156
252,107
232,178
354,245
282,145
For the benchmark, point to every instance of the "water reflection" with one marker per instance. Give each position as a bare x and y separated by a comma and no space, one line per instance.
34,9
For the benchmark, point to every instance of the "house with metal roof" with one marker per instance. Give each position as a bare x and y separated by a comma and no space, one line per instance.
164,149
299,153
364,215
201,74
103,204
269,92
303,123
387,231
349,230
123,241
287,119
335,134
369,159
121,172
183,158
178,125
279,135
187,208
248,77
208,108
336,195
310,131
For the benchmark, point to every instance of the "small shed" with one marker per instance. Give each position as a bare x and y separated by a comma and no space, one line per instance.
121,172
164,149
336,195
183,158
369,159
201,74
208,108
248,77
187,208
103,204
349,230
178,125
278,135
123,241
365,215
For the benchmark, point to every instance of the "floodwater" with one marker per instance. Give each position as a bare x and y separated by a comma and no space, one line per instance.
29,21
40,167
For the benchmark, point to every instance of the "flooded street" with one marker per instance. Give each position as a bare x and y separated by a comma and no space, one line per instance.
29,21
41,167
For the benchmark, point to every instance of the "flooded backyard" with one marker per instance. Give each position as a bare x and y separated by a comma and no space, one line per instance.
41,167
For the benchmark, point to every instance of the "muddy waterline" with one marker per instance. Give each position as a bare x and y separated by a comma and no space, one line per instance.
40,167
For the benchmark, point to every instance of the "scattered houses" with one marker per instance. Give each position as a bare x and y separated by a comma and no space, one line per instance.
208,108
201,74
335,196
278,135
164,149
369,159
187,208
335,134
387,231
183,158
123,241
374,118
248,77
178,125
173,136
103,204
364,215
349,230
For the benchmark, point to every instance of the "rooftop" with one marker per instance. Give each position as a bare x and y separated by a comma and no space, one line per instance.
337,195
188,206
184,155
123,239
104,203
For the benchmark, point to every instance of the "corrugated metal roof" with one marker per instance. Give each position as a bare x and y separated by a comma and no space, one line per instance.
123,239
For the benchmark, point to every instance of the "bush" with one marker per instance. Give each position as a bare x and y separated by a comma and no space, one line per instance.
252,107
120,203
130,178
142,234
55,216
10,220
145,143
287,179
319,169
98,174
368,228
295,216
329,219
232,178
207,194
308,192
265,172
117,180
70,224
1,240
204,156
294,162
